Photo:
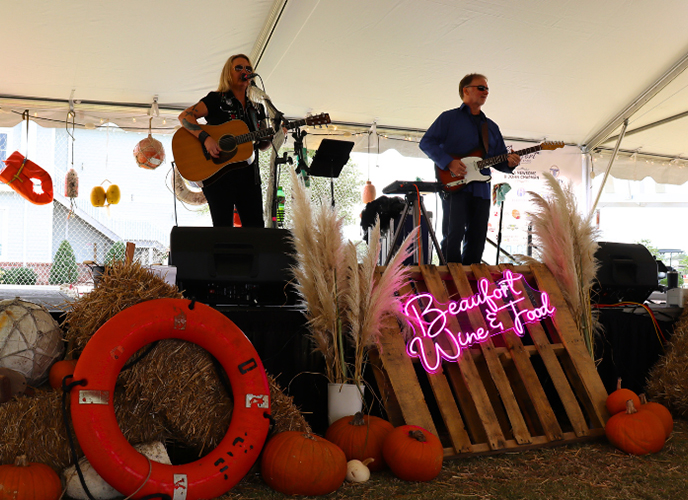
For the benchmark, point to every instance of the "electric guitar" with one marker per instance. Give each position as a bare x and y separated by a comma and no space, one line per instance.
235,140
474,163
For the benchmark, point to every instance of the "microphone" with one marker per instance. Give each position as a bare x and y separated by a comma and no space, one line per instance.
249,76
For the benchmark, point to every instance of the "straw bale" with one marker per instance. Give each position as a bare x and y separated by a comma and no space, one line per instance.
34,427
121,286
668,380
180,382
175,391
287,416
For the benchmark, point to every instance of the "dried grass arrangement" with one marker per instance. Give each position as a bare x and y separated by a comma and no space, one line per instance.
173,394
345,302
667,382
566,244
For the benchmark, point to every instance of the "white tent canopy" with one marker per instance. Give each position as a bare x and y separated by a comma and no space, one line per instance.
562,70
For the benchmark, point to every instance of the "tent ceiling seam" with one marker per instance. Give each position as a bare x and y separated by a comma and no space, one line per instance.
265,35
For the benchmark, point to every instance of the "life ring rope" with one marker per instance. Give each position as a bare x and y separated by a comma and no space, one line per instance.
93,414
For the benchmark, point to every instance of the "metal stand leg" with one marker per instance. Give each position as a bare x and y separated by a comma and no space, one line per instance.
408,204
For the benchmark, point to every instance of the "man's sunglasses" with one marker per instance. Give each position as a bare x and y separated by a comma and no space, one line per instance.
481,88
239,67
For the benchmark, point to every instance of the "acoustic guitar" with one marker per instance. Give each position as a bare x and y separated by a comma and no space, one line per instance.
235,140
474,163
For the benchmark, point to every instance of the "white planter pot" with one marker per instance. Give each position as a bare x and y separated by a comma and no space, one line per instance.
343,400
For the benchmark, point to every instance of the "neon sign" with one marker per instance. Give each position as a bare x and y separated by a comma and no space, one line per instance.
431,322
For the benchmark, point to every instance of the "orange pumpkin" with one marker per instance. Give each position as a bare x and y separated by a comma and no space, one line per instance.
298,463
616,401
413,453
661,411
29,481
637,432
60,370
361,437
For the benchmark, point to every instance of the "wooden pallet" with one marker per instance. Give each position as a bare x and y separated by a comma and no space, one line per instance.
506,393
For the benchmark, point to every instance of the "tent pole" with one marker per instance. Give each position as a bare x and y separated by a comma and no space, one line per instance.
650,125
609,167
600,136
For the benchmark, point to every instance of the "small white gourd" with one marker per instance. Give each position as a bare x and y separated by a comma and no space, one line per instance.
357,471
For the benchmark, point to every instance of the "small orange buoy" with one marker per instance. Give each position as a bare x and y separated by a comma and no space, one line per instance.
368,192
149,153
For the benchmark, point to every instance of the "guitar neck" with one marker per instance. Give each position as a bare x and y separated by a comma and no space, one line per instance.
254,136
499,159
267,132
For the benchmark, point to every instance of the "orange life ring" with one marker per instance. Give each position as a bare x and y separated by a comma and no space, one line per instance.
20,173
93,413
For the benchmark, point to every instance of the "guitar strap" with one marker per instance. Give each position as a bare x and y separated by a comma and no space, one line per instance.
485,137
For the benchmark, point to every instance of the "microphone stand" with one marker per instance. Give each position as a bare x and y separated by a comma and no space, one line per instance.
301,166
277,123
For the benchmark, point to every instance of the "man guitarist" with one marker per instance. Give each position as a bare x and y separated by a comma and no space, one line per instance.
455,134
240,185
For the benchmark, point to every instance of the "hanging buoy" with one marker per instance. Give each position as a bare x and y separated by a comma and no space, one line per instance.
27,179
368,192
71,184
149,153
98,196
101,197
113,194
71,189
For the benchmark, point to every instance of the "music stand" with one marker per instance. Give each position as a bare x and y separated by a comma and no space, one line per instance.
329,160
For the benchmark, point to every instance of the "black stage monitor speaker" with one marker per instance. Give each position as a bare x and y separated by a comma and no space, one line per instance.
235,266
627,273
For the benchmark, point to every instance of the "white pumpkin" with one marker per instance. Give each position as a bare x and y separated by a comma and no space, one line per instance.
30,339
96,485
357,471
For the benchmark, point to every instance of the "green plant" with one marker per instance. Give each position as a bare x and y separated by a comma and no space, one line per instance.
64,268
115,253
19,276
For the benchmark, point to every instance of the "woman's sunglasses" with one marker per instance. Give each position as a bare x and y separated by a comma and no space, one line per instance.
239,67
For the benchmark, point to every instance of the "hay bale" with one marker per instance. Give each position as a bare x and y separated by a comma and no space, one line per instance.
176,385
668,380
180,382
34,427
121,286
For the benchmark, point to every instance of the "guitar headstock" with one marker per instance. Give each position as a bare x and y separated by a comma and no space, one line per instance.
550,145
321,119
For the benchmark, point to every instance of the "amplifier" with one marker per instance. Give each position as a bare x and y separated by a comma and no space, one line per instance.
235,266
627,273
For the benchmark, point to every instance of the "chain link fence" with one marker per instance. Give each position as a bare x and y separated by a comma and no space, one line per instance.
60,243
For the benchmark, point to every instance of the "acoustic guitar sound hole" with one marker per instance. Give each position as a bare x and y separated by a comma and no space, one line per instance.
227,143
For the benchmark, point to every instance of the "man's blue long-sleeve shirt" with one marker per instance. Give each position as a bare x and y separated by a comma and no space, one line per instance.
457,132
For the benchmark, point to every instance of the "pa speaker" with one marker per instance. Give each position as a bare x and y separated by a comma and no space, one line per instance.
235,266
627,273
